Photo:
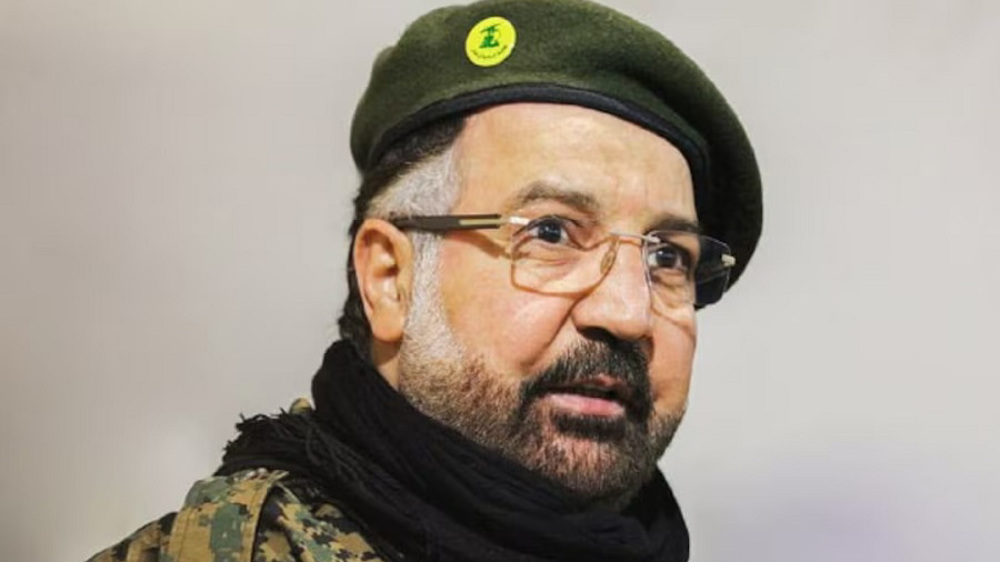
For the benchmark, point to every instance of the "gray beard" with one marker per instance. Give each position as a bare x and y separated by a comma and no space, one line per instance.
603,461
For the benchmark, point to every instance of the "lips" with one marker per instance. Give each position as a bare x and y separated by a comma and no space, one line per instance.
598,396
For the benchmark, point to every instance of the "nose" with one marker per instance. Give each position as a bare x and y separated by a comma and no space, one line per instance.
620,303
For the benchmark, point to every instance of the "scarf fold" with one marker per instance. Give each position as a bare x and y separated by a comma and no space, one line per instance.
432,494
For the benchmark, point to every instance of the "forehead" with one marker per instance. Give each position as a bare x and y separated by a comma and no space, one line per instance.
629,174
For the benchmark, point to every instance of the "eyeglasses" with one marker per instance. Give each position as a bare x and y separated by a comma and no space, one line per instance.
553,254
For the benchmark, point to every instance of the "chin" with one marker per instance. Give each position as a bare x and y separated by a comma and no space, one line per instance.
603,461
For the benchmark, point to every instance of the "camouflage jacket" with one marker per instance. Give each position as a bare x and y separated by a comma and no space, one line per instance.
251,516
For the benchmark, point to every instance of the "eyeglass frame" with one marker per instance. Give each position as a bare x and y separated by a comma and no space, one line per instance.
446,223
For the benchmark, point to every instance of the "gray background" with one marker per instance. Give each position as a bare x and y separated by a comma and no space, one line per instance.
174,189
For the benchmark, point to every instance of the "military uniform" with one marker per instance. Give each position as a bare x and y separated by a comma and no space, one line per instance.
250,516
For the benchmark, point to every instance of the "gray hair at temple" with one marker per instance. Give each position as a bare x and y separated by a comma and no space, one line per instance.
414,177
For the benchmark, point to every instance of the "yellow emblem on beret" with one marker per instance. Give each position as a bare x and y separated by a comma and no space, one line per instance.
490,41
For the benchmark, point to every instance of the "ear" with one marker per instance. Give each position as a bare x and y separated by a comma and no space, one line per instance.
383,264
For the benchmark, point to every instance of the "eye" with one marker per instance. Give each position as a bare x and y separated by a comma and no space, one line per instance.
551,230
669,258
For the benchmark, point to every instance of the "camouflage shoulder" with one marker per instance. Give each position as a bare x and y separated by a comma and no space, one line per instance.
219,520
299,525
217,523
144,545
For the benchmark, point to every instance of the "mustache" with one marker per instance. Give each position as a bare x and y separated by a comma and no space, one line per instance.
621,360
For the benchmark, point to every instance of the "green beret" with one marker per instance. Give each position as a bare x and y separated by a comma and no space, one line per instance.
460,59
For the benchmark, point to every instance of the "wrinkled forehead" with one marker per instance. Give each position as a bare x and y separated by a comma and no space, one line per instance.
527,155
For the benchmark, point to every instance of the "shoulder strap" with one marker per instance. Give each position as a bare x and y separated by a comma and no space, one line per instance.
219,518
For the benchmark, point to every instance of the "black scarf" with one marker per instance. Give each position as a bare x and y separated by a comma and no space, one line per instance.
432,494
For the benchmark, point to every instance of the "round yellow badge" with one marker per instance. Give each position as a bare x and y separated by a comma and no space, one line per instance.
490,41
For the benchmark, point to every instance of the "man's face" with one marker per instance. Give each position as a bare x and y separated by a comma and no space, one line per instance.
585,388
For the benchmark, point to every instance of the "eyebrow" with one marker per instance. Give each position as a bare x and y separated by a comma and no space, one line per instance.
546,191
588,204
670,221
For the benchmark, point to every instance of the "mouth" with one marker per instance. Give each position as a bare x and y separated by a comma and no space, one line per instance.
601,396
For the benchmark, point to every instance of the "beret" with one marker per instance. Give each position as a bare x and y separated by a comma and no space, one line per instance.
460,59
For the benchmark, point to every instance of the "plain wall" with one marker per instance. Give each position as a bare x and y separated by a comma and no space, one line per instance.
175,186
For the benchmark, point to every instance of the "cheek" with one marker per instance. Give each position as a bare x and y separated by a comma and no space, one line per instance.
670,367
510,329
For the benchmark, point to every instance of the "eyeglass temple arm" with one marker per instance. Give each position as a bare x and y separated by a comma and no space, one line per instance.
714,269
450,222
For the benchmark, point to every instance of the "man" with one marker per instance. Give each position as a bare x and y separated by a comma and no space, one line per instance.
549,192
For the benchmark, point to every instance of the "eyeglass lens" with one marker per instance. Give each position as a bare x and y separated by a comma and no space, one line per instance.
682,268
